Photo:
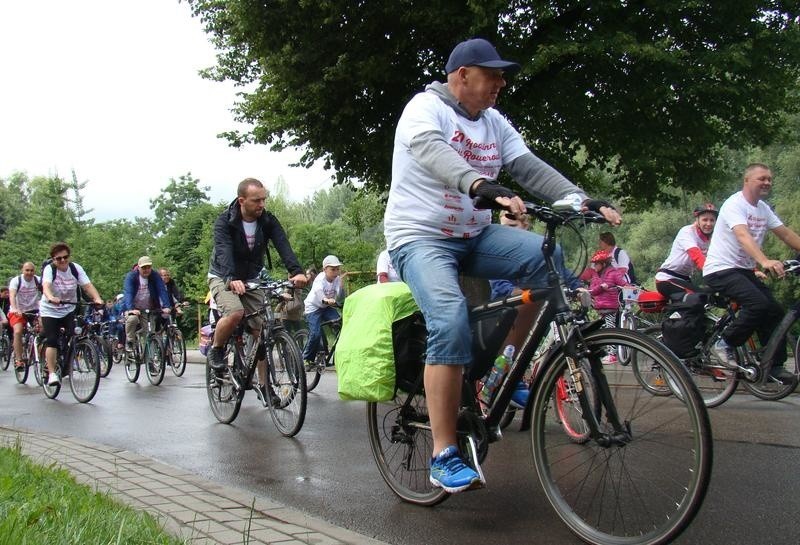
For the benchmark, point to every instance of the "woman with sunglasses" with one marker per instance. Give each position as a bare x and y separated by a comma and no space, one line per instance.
60,293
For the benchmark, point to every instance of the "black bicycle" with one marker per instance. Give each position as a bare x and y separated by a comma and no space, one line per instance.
324,357
644,471
284,381
174,344
715,379
77,361
147,350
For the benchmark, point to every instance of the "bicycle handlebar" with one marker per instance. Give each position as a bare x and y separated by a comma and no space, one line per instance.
560,212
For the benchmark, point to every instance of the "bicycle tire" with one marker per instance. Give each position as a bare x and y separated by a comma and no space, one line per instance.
177,352
224,398
154,364
106,356
50,391
647,371
5,351
569,412
38,362
772,390
132,365
626,321
313,373
640,490
21,373
84,371
715,381
401,442
286,384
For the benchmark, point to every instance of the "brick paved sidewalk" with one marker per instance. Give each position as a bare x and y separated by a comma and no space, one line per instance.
195,509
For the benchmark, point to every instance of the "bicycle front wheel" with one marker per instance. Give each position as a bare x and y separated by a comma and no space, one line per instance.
642,478
154,363
772,389
569,411
84,371
38,361
177,350
626,321
286,384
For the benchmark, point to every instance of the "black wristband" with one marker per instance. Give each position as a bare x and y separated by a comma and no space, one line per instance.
595,204
490,191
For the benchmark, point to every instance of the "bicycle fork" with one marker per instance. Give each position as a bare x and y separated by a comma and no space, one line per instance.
574,349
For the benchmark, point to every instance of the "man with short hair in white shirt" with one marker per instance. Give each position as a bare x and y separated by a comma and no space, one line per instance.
733,254
25,290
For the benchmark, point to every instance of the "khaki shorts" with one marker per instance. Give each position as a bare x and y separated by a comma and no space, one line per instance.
229,303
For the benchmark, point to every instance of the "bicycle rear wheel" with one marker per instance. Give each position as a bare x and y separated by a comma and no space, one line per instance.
154,363
177,350
626,321
106,352
224,398
647,371
641,482
313,373
286,384
401,442
84,371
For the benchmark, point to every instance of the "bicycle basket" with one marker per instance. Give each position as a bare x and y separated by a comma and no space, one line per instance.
651,301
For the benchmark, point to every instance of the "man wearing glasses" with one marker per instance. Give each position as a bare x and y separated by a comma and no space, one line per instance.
60,282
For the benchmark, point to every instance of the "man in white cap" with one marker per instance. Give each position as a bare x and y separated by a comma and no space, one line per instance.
449,147
142,290
326,291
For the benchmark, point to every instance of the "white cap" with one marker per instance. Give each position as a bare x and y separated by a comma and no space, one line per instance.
331,261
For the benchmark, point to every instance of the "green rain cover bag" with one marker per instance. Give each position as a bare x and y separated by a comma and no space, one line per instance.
365,354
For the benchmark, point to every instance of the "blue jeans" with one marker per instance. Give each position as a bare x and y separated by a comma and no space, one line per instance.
431,268
314,320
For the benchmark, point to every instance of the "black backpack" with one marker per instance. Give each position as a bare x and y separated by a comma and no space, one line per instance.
631,274
36,280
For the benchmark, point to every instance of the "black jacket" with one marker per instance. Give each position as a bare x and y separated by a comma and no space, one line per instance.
232,259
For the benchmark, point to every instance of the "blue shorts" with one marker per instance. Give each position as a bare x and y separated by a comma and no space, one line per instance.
431,267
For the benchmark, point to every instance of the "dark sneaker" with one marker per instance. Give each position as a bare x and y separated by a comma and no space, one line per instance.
129,347
448,471
216,358
309,365
782,375
520,396
726,354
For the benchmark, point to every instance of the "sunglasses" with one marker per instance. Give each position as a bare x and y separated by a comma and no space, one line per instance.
61,258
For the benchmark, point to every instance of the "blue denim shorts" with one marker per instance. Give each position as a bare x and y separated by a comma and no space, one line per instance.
431,267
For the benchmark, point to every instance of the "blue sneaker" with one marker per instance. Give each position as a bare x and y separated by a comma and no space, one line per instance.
520,396
449,471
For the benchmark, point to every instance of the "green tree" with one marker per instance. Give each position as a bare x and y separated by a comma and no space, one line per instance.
647,91
179,196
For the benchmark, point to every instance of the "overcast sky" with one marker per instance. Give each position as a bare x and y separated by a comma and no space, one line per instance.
111,90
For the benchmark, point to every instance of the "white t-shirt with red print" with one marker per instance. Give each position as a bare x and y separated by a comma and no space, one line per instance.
422,207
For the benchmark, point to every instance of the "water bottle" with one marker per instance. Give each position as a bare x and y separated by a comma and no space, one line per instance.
496,374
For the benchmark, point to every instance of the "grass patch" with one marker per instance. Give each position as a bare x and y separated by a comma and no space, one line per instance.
44,505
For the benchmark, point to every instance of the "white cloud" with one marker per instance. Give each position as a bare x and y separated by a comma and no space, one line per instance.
112,90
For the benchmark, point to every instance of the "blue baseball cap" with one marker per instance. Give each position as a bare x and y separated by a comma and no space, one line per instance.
477,52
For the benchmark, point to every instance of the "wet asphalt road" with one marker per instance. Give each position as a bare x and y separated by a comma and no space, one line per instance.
328,470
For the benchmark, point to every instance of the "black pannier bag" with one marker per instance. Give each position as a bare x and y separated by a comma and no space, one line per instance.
684,327
409,341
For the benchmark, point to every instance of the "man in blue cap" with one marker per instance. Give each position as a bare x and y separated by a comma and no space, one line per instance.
450,145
